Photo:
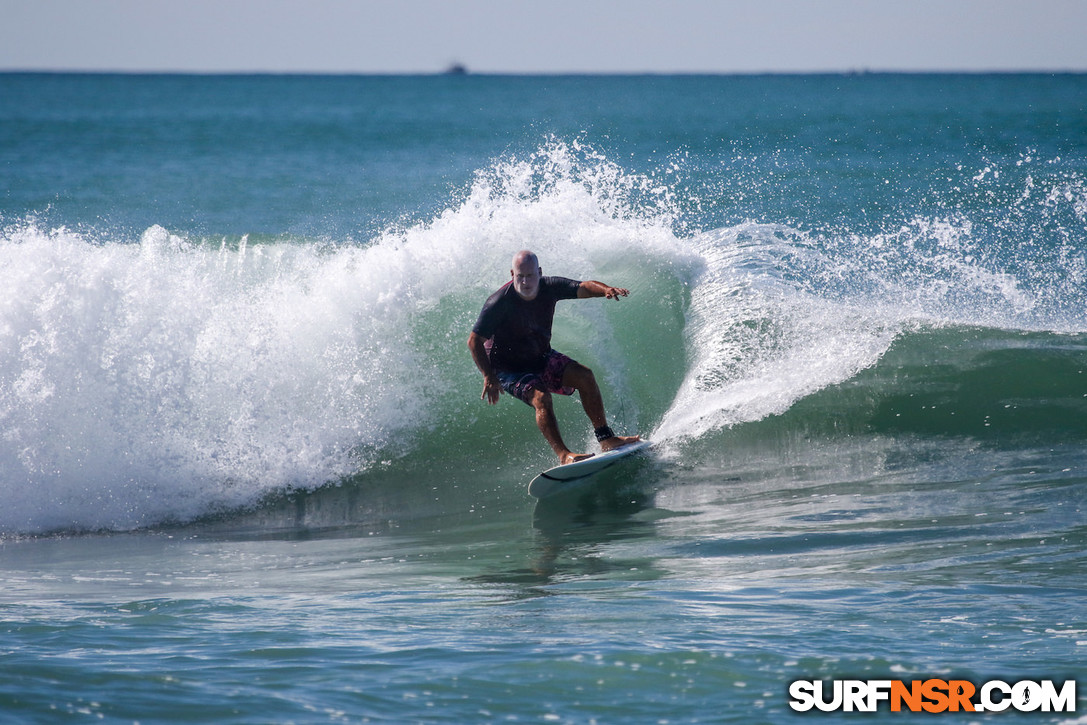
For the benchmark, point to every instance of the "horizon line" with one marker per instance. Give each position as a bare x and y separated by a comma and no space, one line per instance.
460,71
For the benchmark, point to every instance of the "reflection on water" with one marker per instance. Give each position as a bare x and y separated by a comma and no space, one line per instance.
581,534
570,528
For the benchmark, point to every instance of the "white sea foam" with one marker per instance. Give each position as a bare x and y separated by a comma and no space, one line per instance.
141,382
165,378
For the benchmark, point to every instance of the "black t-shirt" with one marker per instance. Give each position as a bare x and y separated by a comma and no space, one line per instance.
518,331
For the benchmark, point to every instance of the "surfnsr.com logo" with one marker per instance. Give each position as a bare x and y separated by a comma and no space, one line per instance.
932,695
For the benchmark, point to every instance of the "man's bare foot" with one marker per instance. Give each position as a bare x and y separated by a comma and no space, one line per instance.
573,457
610,444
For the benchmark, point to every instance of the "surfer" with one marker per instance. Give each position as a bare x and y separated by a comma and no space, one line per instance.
511,346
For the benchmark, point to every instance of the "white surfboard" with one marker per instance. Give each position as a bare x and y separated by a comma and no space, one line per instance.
562,478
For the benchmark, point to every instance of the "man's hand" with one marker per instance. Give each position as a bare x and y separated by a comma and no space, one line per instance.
614,293
492,389
592,288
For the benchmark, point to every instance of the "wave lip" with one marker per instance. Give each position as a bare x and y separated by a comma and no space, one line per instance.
756,343
778,314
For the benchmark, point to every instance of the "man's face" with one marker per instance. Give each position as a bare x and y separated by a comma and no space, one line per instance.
526,278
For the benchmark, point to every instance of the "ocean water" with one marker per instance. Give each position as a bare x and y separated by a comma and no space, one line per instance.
246,475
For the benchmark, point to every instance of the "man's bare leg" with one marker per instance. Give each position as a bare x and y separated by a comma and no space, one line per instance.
581,378
549,426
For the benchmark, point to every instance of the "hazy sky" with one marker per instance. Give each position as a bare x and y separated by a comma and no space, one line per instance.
515,36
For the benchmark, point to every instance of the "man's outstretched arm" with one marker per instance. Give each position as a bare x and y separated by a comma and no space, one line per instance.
592,288
492,389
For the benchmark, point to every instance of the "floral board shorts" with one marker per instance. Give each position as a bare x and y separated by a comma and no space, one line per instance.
521,385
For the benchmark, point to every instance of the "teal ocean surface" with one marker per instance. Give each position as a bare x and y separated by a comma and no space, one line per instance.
246,475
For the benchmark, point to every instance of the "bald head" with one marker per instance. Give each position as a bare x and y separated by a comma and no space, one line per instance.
526,257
